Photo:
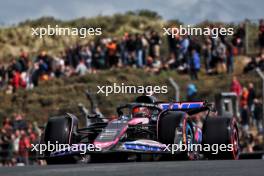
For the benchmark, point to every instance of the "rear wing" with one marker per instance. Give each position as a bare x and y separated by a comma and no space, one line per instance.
189,107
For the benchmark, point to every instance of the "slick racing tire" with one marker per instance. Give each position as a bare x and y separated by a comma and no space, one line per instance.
221,131
59,130
173,127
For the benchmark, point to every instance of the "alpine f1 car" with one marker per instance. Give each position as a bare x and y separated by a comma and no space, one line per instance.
146,127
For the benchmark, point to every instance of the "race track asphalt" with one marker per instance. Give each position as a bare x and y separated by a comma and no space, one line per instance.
185,168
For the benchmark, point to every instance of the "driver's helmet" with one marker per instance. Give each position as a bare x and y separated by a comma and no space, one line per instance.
141,112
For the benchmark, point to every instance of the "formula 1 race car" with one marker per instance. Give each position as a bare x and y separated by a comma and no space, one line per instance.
146,127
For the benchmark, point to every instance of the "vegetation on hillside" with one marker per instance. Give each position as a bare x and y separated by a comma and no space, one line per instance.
13,39
63,95
17,37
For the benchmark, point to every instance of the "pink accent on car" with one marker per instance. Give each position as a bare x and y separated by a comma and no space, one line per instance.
136,121
110,143
197,135
106,144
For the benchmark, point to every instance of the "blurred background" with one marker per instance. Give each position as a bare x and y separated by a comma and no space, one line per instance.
40,78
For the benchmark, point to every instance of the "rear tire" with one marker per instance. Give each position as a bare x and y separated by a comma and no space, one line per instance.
221,130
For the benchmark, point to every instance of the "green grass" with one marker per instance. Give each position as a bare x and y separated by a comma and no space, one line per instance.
58,96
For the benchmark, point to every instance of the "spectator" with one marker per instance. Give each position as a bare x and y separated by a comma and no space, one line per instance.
184,46
98,61
23,61
45,62
17,81
207,54
36,73
59,66
145,44
24,144
173,43
139,51
5,143
257,115
16,138
220,53
239,38
194,65
191,92
112,58
244,109
19,122
7,124
131,49
245,118
251,96
230,58
86,55
14,66
155,42
123,49
236,86
244,97
81,68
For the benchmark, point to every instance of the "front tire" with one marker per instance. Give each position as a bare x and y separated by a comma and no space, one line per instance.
175,128
60,130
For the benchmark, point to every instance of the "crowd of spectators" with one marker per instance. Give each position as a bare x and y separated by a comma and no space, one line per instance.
134,50
16,137
217,53
186,55
250,108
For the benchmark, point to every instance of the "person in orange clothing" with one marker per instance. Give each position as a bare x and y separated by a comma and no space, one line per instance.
112,58
244,109
244,97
